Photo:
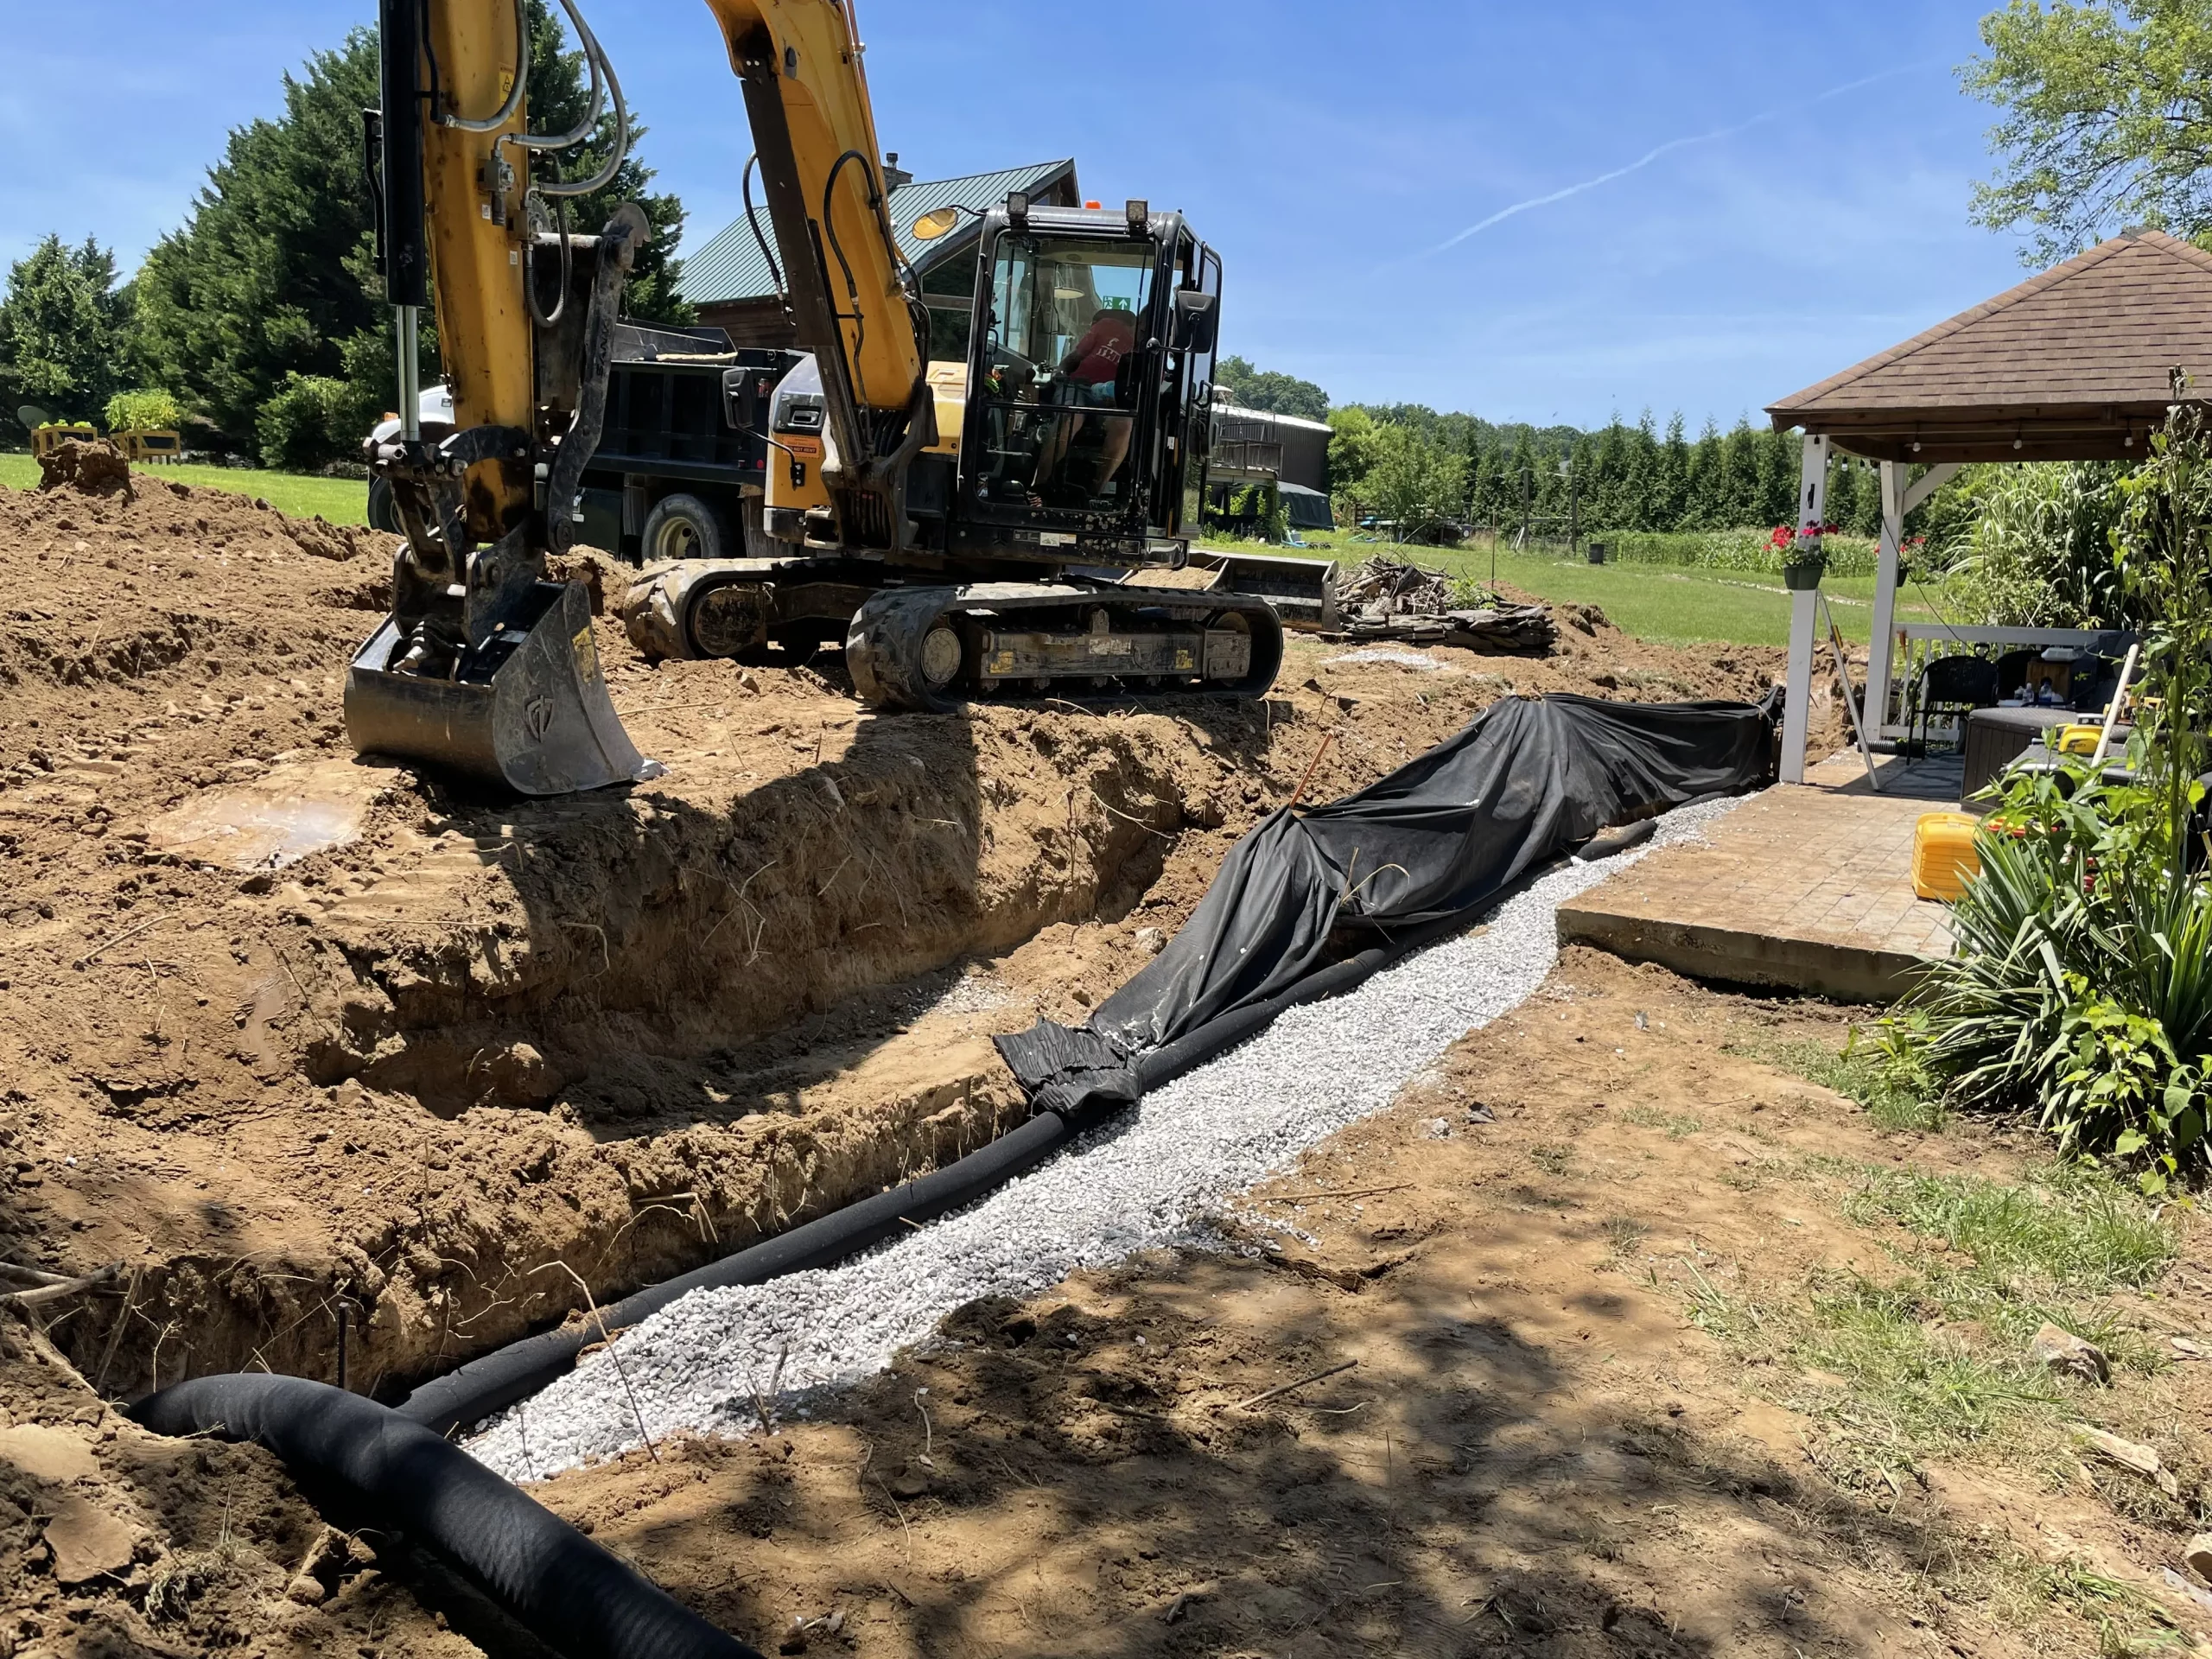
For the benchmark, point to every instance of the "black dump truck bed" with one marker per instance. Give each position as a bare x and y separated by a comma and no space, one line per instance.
681,421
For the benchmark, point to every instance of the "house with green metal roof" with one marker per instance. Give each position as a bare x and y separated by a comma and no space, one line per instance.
734,287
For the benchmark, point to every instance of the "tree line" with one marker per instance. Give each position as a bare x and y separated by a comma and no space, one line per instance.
1408,462
262,315
1618,477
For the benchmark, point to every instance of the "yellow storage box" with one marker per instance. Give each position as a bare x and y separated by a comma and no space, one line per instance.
1943,856
2075,738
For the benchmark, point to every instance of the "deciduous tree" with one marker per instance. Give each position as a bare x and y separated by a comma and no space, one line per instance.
1278,393
2106,120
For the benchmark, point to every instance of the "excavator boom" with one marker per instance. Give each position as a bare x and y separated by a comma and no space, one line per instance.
801,64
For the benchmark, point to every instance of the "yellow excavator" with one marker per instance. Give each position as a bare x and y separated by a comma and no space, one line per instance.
969,527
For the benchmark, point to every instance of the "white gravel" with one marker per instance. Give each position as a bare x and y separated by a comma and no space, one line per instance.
1384,654
1150,1179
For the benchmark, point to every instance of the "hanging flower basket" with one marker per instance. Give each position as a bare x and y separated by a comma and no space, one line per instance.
1804,555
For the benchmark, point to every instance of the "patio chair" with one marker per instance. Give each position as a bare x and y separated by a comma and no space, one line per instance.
1952,686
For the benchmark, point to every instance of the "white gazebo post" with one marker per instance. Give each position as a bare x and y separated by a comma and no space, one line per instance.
1812,505
1898,499
1881,647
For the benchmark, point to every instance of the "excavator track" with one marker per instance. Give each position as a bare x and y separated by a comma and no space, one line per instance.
937,648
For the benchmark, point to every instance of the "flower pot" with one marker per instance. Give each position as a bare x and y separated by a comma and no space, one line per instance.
1802,574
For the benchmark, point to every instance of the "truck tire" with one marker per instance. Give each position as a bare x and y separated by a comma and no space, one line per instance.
382,514
685,527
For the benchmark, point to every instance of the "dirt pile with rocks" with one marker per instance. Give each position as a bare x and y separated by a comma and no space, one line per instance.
293,1035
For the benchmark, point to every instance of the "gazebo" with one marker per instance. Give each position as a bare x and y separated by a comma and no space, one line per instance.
2070,365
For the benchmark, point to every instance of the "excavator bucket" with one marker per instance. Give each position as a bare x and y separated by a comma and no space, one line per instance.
527,710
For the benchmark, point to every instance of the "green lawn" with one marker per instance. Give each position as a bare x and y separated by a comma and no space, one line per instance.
1673,605
342,501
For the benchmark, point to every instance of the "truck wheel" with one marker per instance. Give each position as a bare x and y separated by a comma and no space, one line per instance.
685,527
382,514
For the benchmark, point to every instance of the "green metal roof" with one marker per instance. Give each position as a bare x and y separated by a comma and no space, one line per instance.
730,267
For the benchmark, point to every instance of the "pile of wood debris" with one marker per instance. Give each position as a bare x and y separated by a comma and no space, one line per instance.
1389,598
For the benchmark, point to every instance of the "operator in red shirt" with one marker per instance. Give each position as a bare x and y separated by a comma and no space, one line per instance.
1093,373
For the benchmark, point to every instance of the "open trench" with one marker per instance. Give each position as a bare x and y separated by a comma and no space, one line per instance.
415,1074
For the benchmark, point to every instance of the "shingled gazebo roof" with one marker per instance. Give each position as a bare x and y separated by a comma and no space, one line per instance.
2070,365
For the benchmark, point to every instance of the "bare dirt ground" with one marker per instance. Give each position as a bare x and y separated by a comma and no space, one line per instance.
286,1034
1531,1446
403,1071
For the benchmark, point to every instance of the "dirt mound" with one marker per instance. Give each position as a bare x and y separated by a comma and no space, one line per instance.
289,1032
96,469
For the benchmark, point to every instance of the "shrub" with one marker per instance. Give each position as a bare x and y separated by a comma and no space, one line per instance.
149,408
313,419
2081,988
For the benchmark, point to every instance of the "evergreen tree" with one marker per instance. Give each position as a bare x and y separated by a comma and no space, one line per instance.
1780,461
1519,480
1670,478
1842,506
269,291
1702,502
62,326
1739,494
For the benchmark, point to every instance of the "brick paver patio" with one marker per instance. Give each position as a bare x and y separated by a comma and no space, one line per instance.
1805,886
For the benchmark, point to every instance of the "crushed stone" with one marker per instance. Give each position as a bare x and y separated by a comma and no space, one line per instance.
706,1364
1383,654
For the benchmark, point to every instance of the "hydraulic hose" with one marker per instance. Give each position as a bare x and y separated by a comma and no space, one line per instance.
572,1595
506,110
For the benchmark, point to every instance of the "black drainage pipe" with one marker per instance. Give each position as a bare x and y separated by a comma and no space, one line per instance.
474,1391
493,1382
573,1595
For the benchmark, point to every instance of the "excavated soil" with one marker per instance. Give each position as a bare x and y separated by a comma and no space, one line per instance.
1460,1406
297,1037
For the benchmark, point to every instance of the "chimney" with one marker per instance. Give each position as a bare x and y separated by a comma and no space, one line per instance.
894,175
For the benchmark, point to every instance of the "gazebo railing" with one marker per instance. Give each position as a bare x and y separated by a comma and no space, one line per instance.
1918,644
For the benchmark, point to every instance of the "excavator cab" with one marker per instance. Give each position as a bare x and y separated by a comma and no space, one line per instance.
1090,380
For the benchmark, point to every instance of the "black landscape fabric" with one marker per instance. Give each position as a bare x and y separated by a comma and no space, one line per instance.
1525,781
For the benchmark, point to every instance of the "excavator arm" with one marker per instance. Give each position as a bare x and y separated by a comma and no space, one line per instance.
485,666
806,97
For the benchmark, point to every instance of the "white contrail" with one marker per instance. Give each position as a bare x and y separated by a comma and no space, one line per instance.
1653,154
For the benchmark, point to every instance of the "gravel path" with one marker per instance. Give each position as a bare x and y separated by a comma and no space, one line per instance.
1148,1179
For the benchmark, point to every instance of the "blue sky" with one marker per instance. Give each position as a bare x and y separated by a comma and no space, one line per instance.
1784,230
